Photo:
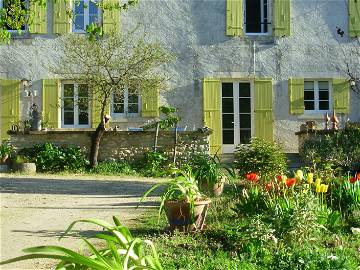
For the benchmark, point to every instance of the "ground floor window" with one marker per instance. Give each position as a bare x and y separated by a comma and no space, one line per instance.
125,103
317,96
75,105
236,113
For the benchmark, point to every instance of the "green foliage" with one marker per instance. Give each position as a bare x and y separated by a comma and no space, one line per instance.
51,158
345,198
122,251
114,168
5,149
260,156
340,150
153,163
209,169
170,119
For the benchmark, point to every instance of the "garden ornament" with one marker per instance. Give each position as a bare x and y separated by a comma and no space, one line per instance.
335,121
327,121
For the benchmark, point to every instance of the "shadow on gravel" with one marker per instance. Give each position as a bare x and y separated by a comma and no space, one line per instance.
123,188
57,234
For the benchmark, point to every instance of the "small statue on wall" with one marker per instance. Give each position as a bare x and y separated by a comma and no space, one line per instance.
327,121
335,121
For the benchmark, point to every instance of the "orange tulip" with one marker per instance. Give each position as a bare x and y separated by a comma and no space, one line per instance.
290,182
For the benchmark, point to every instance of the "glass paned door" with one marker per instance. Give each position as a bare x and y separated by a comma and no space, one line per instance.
236,107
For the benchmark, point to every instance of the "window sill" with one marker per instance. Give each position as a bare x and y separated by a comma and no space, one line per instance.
261,38
312,116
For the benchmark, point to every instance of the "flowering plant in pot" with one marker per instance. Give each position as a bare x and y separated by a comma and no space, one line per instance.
185,206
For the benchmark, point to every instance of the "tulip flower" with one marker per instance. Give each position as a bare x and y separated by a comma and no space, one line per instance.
279,178
352,180
324,188
310,178
268,186
299,175
358,176
252,177
318,189
317,182
290,182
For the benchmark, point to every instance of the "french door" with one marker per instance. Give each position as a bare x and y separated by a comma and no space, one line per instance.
236,116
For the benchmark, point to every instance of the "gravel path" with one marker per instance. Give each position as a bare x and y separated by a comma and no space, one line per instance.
35,210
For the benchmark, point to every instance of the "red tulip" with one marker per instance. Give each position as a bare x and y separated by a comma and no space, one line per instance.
253,177
352,180
358,176
290,182
279,178
268,186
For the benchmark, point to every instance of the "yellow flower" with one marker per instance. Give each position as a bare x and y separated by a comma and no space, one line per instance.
324,188
310,178
299,175
317,182
318,188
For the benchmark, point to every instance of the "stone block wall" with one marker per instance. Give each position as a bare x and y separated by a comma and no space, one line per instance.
118,145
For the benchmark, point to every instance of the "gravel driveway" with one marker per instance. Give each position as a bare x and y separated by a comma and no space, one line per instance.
35,210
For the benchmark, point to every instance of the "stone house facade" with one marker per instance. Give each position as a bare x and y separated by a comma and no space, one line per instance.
244,68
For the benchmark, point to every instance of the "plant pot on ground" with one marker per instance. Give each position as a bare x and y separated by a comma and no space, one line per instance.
211,174
185,206
23,164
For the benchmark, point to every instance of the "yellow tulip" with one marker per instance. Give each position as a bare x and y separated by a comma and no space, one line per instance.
324,188
318,188
317,182
310,178
299,174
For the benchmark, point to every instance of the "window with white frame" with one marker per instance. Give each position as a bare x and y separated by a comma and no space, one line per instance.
6,4
85,12
75,109
317,96
257,16
125,103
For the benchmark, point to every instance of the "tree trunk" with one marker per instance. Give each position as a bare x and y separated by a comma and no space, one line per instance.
95,144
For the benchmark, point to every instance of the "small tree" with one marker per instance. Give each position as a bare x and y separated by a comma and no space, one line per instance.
108,66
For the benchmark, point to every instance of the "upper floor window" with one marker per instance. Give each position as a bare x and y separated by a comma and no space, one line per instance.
75,107
125,103
317,96
257,14
85,13
15,11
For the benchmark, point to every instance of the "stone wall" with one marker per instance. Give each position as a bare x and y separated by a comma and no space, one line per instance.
117,144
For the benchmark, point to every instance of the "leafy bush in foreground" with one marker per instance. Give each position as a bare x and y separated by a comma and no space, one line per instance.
114,168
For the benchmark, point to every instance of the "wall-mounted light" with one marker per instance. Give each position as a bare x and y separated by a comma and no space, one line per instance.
352,82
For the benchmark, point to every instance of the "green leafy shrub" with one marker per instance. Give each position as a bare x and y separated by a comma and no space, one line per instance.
260,156
152,163
5,149
51,158
114,167
122,251
340,150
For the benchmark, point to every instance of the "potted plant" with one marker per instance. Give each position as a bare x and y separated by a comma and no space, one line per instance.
185,206
210,173
5,150
24,164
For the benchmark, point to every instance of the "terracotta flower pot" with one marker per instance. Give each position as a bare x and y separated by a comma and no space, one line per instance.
179,215
211,188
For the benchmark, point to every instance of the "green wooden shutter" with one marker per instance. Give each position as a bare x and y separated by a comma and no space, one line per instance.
50,102
296,96
341,91
10,104
234,18
150,103
111,18
61,17
39,23
281,18
212,113
354,18
263,109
